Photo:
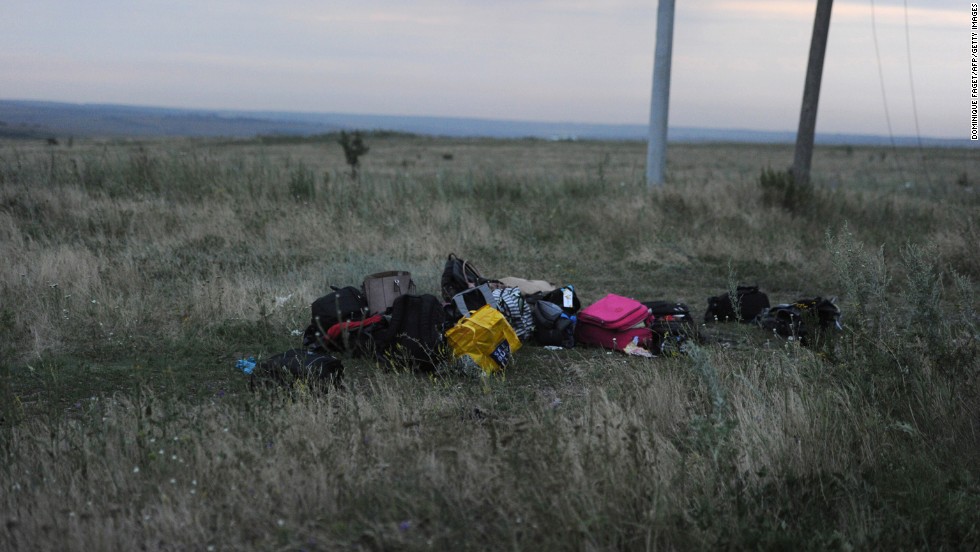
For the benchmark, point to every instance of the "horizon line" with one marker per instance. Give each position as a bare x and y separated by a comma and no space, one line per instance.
262,115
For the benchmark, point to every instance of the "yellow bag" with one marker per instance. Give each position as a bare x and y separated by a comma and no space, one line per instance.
486,337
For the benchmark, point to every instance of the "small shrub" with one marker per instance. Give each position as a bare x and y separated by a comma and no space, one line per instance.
904,329
780,189
354,148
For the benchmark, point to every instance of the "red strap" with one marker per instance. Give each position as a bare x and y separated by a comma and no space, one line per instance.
333,333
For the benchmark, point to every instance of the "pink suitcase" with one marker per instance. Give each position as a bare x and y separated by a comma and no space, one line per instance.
613,322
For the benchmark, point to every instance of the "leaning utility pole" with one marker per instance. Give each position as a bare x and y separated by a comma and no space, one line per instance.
811,93
660,95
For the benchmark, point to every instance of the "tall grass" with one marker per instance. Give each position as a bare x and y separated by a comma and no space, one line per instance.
134,274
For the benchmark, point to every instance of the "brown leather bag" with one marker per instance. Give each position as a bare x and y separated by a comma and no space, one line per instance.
383,288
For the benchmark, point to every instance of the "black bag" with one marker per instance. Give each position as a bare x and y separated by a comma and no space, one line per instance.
565,297
751,304
459,275
672,325
552,325
802,319
554,316
414,337
341,305
317,371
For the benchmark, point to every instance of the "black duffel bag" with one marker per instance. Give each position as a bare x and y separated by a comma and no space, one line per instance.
316,371
341,305
750,301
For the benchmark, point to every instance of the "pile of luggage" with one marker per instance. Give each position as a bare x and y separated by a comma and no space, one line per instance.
478,323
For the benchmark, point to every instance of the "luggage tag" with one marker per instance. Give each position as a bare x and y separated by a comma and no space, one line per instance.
566,297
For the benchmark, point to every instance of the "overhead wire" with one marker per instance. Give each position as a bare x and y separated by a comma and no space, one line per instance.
915,109
884,95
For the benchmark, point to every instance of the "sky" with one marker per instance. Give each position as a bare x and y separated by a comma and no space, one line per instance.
737,64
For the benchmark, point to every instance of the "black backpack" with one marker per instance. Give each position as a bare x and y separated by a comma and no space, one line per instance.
672,325
751,304
341,305
552,325
802,319
459,275
414,337
317,371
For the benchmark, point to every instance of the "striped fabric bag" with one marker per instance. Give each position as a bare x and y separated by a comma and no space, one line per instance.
511,303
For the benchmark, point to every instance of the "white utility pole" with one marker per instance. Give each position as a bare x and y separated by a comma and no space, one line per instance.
660,95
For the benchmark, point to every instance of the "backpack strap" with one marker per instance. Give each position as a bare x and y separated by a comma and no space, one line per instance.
335,331
460,300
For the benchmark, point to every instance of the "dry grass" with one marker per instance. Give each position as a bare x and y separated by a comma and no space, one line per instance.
134,274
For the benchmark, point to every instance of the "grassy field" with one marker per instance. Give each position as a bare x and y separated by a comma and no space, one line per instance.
134,274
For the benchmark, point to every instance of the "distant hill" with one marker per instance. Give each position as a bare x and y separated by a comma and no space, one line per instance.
18,118
36,119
